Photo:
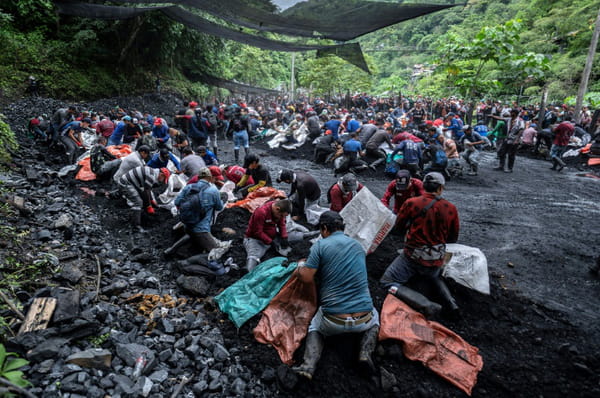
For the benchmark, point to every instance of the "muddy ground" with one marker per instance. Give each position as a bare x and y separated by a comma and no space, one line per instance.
537,331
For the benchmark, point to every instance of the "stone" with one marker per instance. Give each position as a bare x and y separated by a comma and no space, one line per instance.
220,353
115,288
129,353
167,326
159,376
287,378
200,387
238,386
46,350
268,375
71,273
215,385
72,384
143,386
124,384
193,285
166,338
43,235
45,366
106,382
63,221
93,358
67,304
94,392
388,380
165,354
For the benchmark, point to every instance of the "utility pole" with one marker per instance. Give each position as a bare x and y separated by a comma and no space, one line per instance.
587,70
292,86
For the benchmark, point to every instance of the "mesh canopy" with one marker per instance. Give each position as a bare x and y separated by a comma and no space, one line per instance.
232,86
331,19
350,52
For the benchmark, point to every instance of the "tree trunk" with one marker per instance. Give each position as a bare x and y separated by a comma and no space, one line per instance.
587,70
137,24
542,107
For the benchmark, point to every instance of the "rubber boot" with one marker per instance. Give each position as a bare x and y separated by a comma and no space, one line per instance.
251,262
416,300
561,163
310,234
246,151
236,153
367,347
136,220
177,245
214,149
451,307
312,354
472,171
376,163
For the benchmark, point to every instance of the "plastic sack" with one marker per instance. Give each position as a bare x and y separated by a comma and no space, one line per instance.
258,198
251,294
431,343
228,188
367,220
174,186
468,266
313,212
285,321
86,174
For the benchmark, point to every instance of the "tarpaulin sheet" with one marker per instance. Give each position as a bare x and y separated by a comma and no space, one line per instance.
285,321
431,343
258,198
86,174
593,161
251,294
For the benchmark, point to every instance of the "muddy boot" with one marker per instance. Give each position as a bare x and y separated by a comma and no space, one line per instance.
554,164
214,149
177,245
416,300
451,308
236,154
376,163
367,347
246,151
251,262
312,354
473,171
136,220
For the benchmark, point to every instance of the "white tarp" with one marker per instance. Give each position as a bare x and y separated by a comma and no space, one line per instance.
468,266
367,220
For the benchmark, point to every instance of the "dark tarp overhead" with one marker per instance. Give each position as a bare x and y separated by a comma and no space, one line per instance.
330,19
352,54
234,87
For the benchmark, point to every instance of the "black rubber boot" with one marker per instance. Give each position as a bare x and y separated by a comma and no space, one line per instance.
312,354
554,164
376,163
236,153
214,149
416,300
561,163
177,245
451,308
367,347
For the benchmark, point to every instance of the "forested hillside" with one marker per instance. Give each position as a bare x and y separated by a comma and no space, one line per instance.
86,58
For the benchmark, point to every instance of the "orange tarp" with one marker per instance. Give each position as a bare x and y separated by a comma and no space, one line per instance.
258,198
86,174
431,343
285,321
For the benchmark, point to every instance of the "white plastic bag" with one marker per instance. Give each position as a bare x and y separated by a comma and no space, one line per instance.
367,220
468,266
313,212
174,186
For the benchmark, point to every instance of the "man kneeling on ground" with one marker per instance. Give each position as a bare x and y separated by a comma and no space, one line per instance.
345,302
266,227
430,222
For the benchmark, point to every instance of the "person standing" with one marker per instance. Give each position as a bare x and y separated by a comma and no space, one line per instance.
345,303
430,222
562,134
515,127
472,143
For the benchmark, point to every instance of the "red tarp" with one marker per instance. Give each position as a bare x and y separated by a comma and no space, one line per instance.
258,198
285,321
431,343
86,174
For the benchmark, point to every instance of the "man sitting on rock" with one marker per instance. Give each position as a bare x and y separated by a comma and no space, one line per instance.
267,226
345,304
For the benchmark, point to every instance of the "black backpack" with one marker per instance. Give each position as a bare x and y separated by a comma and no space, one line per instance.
191,211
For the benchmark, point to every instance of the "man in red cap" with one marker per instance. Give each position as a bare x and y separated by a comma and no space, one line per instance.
217,175
136,186
403,187
160,131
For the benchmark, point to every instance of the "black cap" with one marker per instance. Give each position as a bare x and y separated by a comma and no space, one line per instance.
331,218
285,175
249,159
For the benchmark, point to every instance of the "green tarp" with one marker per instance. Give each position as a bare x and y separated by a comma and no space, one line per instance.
251,294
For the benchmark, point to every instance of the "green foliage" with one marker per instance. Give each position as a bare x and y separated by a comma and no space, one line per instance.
591,99
8,142
10,364
97,341
332,75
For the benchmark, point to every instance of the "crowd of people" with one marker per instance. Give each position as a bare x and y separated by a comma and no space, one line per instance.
419,144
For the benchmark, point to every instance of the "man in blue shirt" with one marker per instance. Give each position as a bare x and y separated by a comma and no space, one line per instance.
411,156
116,138
161,159
334,126
352,150
210,200
160,131
345,304
353,125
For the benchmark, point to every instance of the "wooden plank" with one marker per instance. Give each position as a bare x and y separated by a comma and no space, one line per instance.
39,314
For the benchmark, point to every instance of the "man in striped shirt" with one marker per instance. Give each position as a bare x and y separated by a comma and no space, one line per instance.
136,186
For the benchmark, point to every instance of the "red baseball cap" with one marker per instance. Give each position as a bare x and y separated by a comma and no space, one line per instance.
158,121
166,173
193,104
216,173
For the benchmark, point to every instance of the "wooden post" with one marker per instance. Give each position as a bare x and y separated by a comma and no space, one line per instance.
585,77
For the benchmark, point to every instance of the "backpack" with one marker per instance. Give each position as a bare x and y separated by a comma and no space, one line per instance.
237,124
212,120
440,158
191,211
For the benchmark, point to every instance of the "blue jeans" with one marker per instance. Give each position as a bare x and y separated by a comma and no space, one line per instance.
327,328
240,138
403,268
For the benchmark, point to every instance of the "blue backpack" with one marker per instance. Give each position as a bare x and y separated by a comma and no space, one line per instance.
440,158
191,211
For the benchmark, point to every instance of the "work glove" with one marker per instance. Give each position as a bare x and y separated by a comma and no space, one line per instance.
150,210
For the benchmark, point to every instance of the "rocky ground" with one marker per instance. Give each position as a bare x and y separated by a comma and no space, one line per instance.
537,331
